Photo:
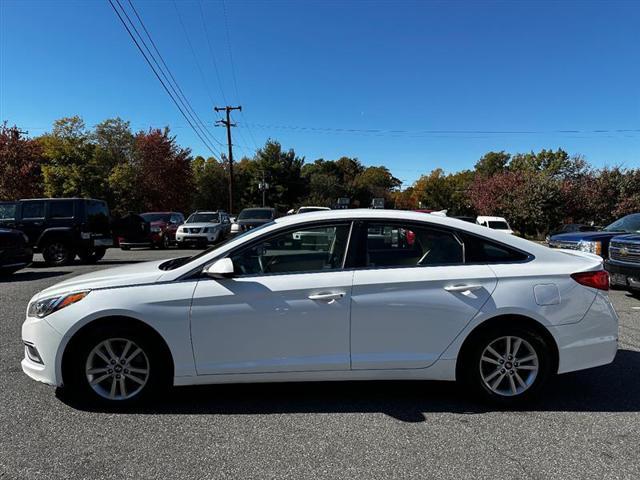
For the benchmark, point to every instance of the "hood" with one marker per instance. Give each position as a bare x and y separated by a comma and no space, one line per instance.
577,236
629,237
199,225
134,274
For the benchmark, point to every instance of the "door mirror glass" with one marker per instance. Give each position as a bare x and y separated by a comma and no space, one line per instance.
221,268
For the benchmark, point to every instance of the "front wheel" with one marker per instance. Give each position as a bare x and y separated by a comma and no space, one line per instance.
507,366
116,367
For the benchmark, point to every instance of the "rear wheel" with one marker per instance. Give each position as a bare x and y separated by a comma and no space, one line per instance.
57,253
164,242
507,366
92,255
117,366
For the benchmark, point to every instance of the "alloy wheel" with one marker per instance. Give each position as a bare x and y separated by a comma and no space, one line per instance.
117,369
509,366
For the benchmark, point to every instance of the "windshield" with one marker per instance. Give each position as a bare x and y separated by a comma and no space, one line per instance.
203,218
629,224
156,217
255,213
496,225
179,262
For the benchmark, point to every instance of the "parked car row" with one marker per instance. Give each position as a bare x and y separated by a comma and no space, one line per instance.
618,244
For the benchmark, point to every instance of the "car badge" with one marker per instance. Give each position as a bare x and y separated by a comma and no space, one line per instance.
624,251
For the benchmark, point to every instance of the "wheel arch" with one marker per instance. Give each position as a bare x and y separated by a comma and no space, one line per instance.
61,233
522,321
110,321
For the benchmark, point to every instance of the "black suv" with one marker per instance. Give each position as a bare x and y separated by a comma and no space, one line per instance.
61,228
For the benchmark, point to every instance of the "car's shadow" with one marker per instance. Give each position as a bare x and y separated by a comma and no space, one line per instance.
605,389
27,275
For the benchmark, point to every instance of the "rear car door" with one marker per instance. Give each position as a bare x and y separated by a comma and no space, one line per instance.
412,295
286,309
32,219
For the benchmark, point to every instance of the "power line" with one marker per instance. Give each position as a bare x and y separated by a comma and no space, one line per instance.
195,117
124,23
375,131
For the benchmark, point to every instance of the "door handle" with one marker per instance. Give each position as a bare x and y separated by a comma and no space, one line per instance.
462,288
327,296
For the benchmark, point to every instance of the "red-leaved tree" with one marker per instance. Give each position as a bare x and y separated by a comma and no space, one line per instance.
20,159
163,170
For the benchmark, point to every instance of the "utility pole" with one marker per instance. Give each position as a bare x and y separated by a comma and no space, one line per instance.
264,186
227,123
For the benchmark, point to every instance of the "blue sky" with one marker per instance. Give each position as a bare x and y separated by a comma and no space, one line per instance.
476,70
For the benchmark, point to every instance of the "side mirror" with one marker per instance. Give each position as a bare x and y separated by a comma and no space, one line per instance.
222,268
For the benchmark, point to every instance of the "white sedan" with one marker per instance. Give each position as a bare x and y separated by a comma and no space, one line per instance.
385,295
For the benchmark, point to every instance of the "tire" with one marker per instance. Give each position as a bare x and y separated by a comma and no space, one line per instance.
92,374
488,375
125,247
92,255
164,243
58,253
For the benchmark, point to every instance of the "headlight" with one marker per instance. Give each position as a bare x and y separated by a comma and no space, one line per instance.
155,229
591,247
46,306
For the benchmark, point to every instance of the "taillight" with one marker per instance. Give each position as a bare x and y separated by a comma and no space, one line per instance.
598,279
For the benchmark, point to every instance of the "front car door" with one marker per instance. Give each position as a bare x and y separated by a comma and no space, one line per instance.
286,309
413,295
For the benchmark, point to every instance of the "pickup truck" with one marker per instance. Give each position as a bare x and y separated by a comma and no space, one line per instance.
623,263
597,242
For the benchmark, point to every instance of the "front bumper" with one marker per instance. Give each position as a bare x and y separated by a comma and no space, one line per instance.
591,342
623,275
40,335
15,259
182,238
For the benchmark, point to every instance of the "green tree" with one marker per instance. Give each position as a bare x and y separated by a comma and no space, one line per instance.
211,184
492,163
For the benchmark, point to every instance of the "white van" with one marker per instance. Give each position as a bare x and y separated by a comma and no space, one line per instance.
497,223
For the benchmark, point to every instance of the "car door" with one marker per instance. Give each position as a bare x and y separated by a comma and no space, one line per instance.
32,221
285,309
413,295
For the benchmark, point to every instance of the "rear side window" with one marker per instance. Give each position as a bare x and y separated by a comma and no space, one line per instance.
480,250
97,215
397,245
33,210
61,209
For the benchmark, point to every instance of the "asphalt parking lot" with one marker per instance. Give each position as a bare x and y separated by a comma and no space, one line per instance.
587,426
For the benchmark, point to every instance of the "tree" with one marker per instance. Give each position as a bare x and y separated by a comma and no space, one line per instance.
282,171
20,159
164,175
492,163
211,185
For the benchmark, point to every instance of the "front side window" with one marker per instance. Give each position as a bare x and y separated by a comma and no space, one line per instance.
397,245
311,249
33,210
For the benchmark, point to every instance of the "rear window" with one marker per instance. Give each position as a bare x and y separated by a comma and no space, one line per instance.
61,209
480,250
7,211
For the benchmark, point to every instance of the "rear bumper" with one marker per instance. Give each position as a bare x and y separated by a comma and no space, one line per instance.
591,342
